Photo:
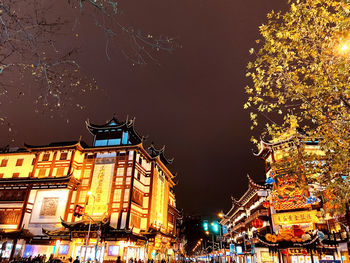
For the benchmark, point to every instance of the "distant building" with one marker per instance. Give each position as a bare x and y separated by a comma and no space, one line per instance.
126,192
240,223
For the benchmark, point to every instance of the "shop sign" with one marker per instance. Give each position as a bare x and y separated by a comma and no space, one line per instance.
83,234
266,257
297,251
295,218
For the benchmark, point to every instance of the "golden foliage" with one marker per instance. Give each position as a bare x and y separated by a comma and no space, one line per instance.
301,71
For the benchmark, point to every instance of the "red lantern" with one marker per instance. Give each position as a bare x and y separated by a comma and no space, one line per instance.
266,204
298,232
285,252
304,252
257,223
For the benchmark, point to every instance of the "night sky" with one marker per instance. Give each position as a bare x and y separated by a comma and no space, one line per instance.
192,103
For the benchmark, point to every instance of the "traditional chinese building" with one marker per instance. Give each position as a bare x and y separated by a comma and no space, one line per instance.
125,189
301,231
246,218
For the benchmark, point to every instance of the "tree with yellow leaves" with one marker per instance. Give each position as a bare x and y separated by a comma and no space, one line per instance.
301,71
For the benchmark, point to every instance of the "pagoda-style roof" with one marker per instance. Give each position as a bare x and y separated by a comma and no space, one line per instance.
67,179
154,153
253,188
8,149
83,225
16,234
71,230
115,126
266,147
153,231
67,144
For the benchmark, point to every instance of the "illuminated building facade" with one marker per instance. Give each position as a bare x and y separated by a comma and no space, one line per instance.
301,232
241,223
292,228
125,189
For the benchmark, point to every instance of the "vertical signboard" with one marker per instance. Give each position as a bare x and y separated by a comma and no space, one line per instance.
101,184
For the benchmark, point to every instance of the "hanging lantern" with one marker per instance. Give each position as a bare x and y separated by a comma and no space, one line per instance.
266,204
298,232
285,252
257,223
304,252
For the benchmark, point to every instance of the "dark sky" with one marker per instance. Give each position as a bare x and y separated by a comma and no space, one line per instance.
192,103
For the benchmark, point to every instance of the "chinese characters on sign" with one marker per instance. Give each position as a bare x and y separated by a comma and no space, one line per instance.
294,218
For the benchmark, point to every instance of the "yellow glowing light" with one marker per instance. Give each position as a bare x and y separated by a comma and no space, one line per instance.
221,214
344,47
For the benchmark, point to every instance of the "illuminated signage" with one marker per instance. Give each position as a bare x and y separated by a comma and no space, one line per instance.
239,250
113,250
295,218
266,257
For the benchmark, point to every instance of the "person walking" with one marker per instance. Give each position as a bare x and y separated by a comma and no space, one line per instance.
76,260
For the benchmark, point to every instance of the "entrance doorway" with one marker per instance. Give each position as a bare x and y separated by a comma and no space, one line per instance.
86,253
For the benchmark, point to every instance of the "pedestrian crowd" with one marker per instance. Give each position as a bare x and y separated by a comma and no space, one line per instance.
41,259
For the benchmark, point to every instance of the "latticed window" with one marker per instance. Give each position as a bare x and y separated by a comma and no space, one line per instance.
117,195
60,171
4,162
82,196
42,172
46,157
137,197
63,156
135,221
120,171
15,175
19,162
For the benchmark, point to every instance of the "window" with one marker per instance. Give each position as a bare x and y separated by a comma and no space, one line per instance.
85,182
117,195
1,175
101,142
125,137
82,197
87,173
120,171
46,157
33,162
138,176
30,174
89,157
119,181
140,160
60,171
19,162
137,197
129,171
15,175
114,142
4,162
135,221
42,172
63,156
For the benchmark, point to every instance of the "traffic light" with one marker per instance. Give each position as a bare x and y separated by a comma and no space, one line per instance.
215,227
78,211
205,225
